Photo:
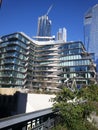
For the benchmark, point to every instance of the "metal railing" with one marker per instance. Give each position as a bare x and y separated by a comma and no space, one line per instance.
29,121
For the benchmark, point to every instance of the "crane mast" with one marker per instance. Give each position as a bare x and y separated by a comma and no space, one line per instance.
49,9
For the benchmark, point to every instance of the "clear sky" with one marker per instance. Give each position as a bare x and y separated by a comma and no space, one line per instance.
22,16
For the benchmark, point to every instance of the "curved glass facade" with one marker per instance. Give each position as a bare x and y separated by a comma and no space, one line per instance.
40,64
56,62
13,60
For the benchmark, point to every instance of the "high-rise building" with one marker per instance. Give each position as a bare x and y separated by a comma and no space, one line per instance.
91,31
62,34
16,60
44,26
28,63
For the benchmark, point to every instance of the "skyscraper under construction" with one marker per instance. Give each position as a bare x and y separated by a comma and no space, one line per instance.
44,27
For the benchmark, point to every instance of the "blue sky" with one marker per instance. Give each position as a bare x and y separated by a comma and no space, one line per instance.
22,16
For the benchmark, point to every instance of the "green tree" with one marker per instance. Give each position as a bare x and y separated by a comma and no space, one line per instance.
75,107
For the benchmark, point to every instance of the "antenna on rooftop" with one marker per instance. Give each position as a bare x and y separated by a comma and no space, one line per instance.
49,9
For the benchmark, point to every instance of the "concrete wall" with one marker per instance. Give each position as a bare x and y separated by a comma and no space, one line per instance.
38,102
13,101
8,105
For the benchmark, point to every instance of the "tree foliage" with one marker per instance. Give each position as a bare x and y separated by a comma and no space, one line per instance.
75,107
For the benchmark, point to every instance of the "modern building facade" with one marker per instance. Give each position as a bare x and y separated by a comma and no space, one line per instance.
28,63
15,61
58,61
91,31
44,27
62,34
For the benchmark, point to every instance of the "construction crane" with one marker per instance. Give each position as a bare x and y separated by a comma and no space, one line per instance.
49,9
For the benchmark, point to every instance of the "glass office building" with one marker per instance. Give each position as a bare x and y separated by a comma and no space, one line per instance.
28,63
44,27
91,31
